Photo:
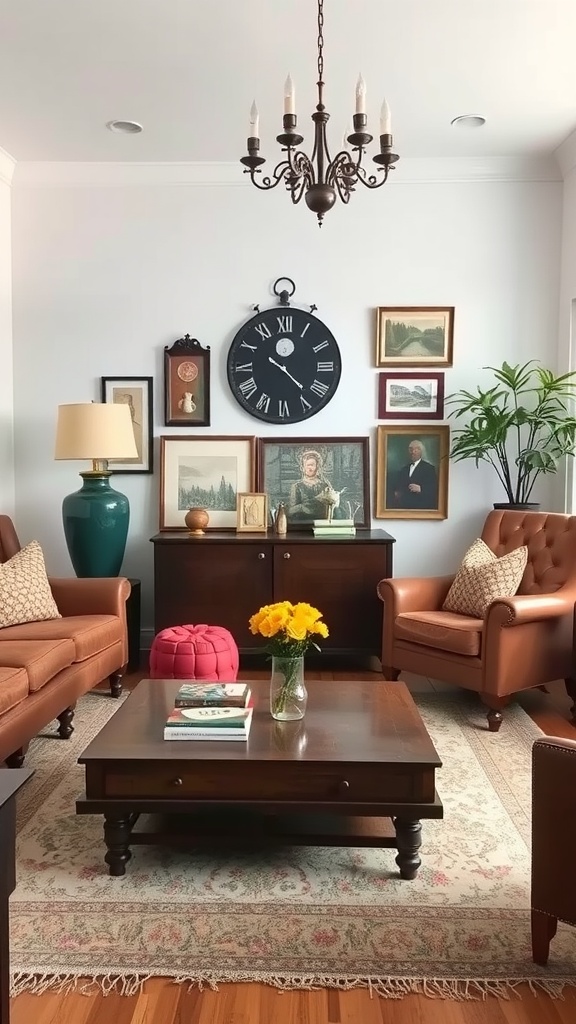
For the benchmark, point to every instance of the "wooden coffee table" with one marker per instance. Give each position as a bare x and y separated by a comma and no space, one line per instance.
360,759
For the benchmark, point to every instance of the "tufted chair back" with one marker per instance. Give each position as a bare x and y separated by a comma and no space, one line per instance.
551,541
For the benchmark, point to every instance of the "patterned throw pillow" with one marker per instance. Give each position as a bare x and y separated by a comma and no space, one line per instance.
483,577
25,594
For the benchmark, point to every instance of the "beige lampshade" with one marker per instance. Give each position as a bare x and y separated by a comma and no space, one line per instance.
95,430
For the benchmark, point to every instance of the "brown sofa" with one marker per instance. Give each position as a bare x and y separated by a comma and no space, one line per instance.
45,666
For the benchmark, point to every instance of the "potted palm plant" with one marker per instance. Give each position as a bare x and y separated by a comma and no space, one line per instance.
523,426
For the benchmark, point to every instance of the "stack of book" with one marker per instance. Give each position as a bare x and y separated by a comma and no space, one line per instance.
334,528
210,711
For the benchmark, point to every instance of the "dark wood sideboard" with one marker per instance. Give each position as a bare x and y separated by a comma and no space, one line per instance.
11,779
223,578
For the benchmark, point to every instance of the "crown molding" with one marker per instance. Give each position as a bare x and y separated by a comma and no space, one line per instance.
409,170
7,165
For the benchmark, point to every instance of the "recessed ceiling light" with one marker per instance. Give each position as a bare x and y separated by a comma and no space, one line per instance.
124,127
469,121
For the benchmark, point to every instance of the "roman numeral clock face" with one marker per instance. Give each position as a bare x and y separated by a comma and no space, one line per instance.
283,365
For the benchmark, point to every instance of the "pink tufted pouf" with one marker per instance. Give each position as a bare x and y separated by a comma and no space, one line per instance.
194,652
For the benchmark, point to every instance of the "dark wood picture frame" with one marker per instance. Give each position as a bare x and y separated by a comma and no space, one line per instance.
411,403
414,336
286,473
424,495
137,392
187,384
202,465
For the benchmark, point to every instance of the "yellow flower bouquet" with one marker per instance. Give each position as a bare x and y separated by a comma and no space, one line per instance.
290,630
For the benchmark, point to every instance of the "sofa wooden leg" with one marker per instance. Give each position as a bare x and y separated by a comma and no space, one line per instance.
116,684
570,685
65,729
543,930
495,707
16,760
392,674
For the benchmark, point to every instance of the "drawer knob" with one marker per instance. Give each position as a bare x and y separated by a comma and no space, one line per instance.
344,787
176,782
261,554
286,554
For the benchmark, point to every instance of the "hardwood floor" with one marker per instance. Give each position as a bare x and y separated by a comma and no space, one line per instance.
162,1002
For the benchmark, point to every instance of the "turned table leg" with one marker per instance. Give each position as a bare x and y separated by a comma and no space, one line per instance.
117,829
408,841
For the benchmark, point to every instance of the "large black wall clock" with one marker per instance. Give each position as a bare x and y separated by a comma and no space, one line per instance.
284,364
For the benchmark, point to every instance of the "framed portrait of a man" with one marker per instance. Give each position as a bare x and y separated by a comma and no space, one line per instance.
316,478
412,472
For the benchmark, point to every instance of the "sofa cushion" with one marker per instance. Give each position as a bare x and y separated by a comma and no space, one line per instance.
25,594
91,634
482,578
42,659
461,634
13,688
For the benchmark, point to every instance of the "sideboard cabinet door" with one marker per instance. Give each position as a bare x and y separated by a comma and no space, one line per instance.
218,582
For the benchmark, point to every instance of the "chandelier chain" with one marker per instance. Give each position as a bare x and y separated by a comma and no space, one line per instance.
320,40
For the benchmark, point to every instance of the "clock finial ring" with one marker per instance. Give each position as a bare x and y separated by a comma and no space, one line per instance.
284,295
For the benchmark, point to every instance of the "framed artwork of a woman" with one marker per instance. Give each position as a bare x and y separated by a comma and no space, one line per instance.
316,478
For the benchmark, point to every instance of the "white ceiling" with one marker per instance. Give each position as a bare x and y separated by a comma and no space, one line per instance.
188,70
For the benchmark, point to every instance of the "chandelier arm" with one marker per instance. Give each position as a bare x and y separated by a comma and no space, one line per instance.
371,180
266,183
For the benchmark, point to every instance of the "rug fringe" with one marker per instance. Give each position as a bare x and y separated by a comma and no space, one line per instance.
385,987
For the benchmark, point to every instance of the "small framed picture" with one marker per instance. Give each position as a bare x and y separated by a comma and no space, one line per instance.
316,478
414,335
187,384
136,393
252,513
412,472
411,396
205,472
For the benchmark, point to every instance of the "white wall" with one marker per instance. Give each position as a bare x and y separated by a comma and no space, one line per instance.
107,274
6,382
567,346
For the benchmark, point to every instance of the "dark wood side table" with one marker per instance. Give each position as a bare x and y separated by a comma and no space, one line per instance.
11,779
133,624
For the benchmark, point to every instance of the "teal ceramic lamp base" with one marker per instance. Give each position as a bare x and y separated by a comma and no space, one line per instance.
96,522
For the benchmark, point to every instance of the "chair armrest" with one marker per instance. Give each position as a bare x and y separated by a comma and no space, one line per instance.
514,611
414,594
554,826
91,596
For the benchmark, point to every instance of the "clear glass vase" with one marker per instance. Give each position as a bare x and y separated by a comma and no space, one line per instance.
288,694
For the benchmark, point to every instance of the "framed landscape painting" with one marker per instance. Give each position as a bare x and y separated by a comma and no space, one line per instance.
207,472
313,474
412,472
411,396
414,335
136,393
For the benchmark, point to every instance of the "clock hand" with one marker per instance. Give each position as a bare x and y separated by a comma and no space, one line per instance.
284,370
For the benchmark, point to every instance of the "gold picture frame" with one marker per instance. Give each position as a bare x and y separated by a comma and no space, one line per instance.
414,336
252,512
403,492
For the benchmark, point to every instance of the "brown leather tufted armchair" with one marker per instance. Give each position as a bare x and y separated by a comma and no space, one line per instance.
522,642
553,840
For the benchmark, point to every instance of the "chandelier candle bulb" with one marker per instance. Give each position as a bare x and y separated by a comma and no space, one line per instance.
289,96
385,119
360,95
254,130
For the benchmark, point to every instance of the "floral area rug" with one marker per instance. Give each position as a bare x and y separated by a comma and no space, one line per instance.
297,916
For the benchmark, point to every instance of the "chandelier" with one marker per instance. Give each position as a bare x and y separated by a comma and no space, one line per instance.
319,178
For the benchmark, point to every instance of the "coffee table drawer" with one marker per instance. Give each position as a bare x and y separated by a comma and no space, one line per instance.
356,783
